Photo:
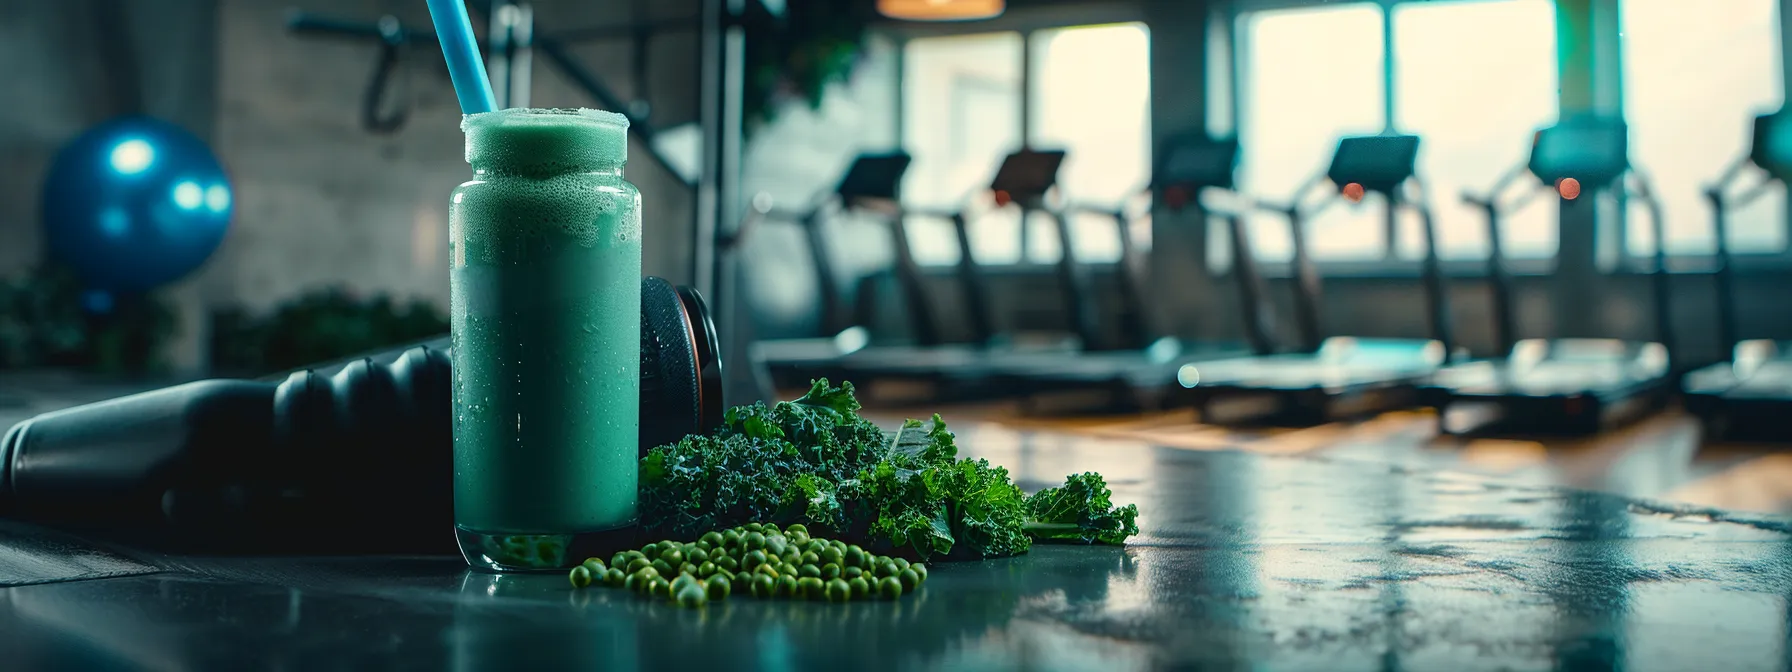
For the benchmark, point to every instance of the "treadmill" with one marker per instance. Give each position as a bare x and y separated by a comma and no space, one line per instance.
1562,386
869,185
1339,377
931,368
1748,398
1139,375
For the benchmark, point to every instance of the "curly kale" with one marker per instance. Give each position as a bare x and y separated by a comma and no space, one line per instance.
1080,512
815,461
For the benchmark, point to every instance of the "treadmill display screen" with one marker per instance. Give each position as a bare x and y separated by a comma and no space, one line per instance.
1378,162
873,176
1199,163
1028,173
1594,151
1772,145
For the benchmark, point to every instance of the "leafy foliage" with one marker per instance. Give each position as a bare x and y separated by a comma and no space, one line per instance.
318,326
815,461
1082,512
43,324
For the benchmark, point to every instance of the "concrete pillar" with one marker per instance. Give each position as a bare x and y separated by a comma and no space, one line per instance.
1180,292
1589,75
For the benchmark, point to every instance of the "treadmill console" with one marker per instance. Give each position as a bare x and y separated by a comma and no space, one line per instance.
874,177
1771,148
1027,174
1196,163
1593,150
1378,162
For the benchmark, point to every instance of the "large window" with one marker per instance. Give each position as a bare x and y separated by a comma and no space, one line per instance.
962,101
1475,80
1092,98
1695,76
1310,76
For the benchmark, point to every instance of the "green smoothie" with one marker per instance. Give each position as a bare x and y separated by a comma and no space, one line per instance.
545,248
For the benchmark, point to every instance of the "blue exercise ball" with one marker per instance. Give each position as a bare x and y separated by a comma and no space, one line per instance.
135,203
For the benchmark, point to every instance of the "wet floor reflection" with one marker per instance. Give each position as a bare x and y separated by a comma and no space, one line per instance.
1245,562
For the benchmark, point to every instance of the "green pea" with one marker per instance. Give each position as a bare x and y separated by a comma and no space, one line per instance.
860,587
810,558
731,539
851,573
673,557
809,570
763,587
788,568
620,560
743,583
754,559
664,568
838,591
790,558
920,571
814,546
651,552
595,566
692,596
796,528
830,572
636,582
755,541
753,527
889,588
854,557
688,549
886,568
777,545
767,570
856,547
703,546
714,538
901,564
682,581
832,555
637,565
706,570
728,563
786,587
645,576
659,588
615,578
800,540
838,545
718,588
687,568
809,588
909,579
581,576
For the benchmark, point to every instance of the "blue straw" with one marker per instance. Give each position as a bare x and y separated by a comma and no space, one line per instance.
455,33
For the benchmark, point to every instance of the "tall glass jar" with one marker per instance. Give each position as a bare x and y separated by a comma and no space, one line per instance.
545,247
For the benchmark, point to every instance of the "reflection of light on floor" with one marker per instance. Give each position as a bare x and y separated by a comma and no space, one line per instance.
1503,457
1762,484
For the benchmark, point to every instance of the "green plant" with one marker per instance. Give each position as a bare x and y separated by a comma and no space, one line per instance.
43,323
318,326
814,44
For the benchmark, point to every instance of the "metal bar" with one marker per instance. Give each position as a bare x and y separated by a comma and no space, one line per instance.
1075,285
1725,274
1664,323
1499,283
1127,275
1253,295
1437,290
304,23
970,282
922,319
1306,285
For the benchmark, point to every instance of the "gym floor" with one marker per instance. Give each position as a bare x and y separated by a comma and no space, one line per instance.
1364,546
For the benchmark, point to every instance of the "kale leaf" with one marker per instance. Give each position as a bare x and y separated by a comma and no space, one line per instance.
816,461
1080,512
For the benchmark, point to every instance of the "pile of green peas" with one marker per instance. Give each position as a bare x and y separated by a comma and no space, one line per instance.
758,560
